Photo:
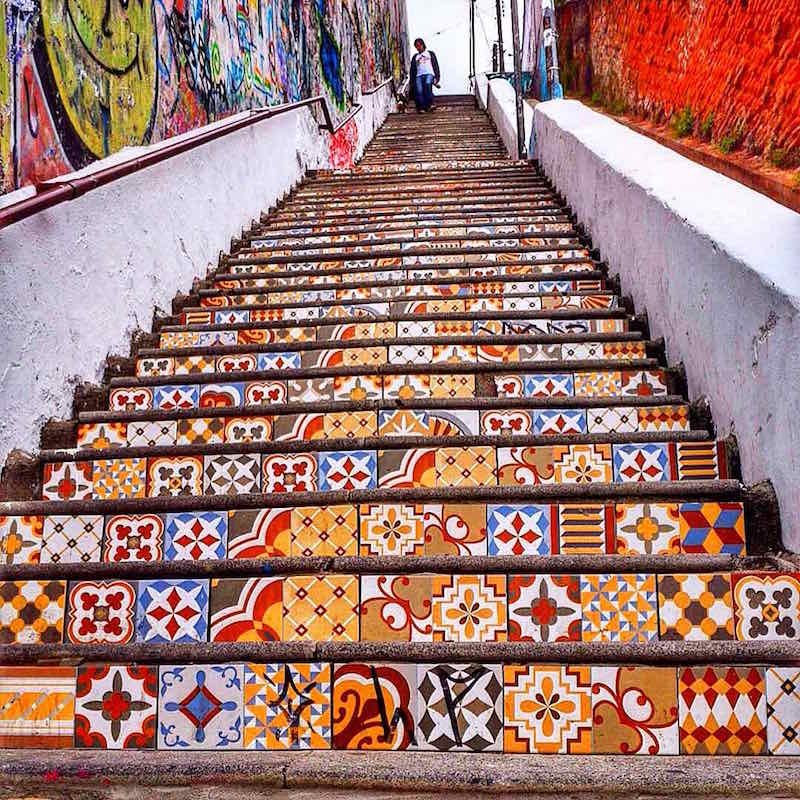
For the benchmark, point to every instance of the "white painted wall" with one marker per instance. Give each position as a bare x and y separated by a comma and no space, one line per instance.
78,279
498,98
716,265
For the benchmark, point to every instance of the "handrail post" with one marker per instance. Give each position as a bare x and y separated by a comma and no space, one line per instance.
518,80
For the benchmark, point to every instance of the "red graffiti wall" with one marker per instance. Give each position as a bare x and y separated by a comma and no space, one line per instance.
737,59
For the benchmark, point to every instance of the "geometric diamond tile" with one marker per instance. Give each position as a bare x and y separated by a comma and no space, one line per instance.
320,608
71,540
196,535
722,710
783,711
172,611
713,528
200,707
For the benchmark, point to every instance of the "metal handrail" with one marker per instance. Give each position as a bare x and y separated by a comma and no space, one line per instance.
52,193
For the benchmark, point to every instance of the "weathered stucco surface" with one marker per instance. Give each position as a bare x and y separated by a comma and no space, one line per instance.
736,65
79,279
715,265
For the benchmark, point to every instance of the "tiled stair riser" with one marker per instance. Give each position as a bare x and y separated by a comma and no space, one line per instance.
173,339
347,470
380,529
353,424
607,383
536,708
594,608
467,354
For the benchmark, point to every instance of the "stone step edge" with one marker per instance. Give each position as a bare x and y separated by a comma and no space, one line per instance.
374,443
531,367
416,774
558,564
677,653
480,209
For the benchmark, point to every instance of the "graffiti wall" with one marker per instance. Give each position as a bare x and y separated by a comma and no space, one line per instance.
734,63
81,79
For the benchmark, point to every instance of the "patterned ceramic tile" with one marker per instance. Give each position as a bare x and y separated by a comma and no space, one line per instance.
321,608
200,430
634,710
616,419
455,529
638,463
264,393
374,707
664,418
169,398
349,424
195,536
289,472
522,530
141,433
695,607
460,707
101,612
647,529
406,387
130,399
200,707
580,463
407,469
389,530
396,608
783,711
722,710
115,707
231,474
221,395
347,470
548,709
32,612
544,608
259,533
452,386
71,540
102,435
134,537
37,707
699,461
466,466
358,387
172,611
469,608
287,706
525,466
175,477
767,606
246,610
324,531
20,539
509,422
119,478
713,528
585,529
619,608
68,480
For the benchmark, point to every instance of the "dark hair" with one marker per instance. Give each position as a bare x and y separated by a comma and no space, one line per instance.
420,41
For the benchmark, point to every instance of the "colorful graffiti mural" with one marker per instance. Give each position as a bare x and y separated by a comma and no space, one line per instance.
81,79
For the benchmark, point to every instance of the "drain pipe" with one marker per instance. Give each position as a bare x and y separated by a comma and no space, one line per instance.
518,79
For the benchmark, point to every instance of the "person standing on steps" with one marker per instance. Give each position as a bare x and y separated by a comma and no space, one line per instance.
424,74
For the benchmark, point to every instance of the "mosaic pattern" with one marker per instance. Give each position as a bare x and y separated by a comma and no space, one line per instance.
619,608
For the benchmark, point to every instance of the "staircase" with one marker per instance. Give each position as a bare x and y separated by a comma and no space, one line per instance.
405,472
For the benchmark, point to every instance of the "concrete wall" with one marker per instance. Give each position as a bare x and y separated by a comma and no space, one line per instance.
498,98
716,266
79,279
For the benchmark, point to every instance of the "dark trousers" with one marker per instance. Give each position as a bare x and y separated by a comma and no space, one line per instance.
424,92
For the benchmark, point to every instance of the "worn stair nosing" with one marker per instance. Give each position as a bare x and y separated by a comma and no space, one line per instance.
656,652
